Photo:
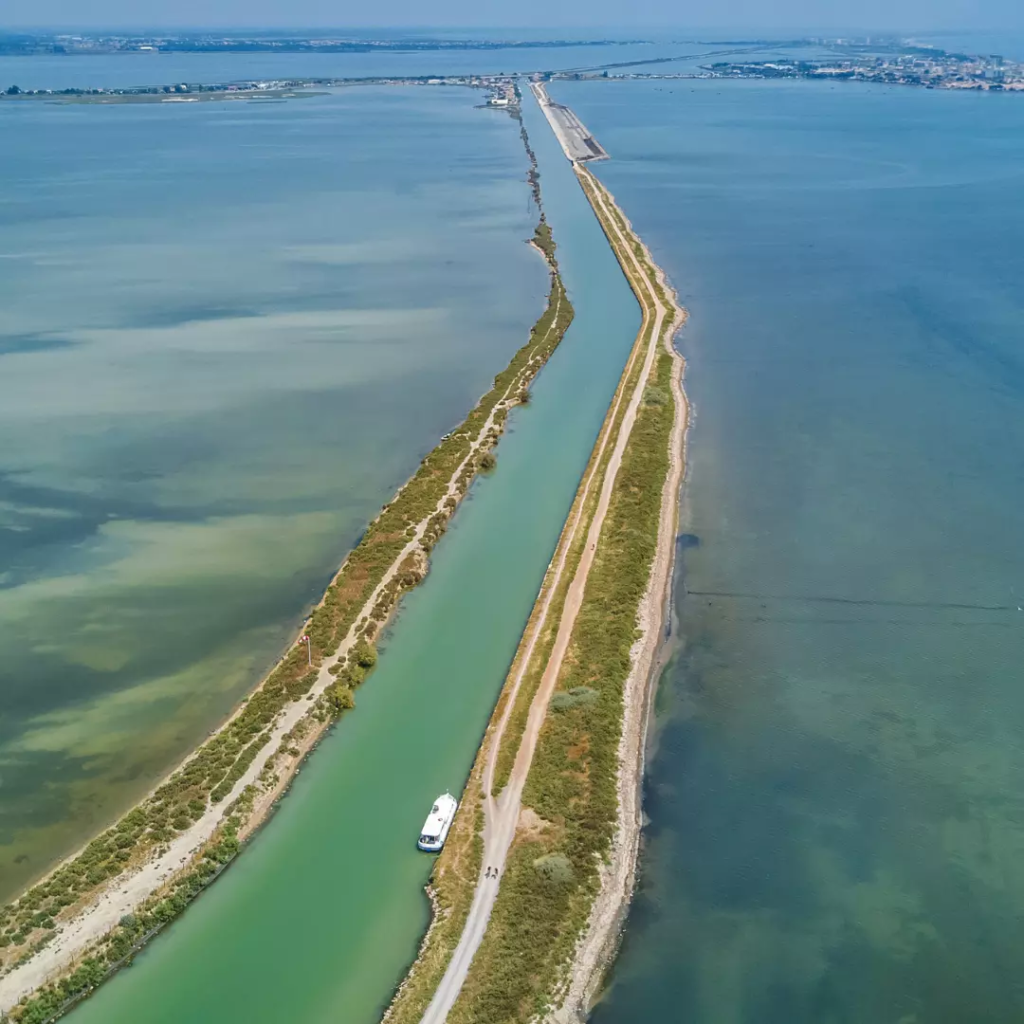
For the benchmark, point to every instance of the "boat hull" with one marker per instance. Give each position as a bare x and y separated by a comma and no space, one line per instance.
438,824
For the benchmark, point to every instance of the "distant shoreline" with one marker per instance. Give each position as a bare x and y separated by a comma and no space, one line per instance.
58,44
882,64
246,89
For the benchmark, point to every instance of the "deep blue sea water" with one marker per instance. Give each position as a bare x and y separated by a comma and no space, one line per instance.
836,788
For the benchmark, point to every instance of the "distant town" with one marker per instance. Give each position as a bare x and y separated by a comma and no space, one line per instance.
931,68
889,62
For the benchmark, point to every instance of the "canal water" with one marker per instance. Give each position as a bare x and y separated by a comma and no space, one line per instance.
318,919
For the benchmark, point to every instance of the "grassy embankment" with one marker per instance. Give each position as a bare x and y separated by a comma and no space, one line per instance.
551,878
456,870
587,506
524,698
27,924
552,874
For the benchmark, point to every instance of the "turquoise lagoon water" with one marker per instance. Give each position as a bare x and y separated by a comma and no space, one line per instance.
228,334
318,919
836,789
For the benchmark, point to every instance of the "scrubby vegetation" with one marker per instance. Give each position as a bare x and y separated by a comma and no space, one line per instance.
551,878
542,651
133,931
552,874
542,238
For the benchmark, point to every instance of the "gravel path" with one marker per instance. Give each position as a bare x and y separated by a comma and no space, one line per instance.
501,813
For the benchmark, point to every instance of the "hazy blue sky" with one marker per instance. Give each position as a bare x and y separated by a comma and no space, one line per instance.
726,14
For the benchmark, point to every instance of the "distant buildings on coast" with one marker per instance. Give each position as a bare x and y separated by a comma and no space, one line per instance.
933,69
890,63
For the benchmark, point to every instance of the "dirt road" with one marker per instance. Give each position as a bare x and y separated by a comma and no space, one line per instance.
501,812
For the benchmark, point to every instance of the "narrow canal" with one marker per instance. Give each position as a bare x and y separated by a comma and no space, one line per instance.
317,921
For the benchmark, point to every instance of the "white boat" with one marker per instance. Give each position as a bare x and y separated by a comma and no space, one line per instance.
439,821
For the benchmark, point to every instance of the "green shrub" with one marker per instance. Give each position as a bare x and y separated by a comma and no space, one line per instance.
555,867
578,695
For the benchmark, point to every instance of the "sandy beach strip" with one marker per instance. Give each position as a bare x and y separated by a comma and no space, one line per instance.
597,946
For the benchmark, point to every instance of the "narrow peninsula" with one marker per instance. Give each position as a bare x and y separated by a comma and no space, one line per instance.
534,881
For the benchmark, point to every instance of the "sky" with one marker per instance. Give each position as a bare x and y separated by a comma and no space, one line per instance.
628,15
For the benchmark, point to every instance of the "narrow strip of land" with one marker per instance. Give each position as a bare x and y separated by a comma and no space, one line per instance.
596,946
119,900
501,813
661,317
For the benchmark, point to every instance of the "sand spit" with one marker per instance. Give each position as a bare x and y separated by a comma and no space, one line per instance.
503,813
597,946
